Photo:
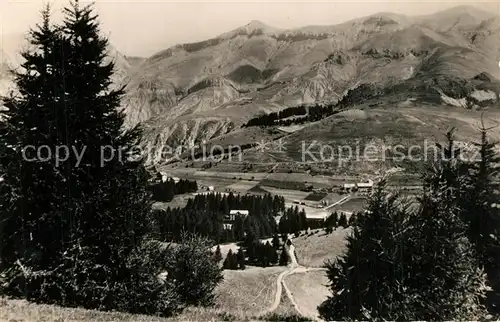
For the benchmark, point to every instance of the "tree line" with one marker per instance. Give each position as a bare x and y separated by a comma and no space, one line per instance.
204,215
293,115
165,191
253,252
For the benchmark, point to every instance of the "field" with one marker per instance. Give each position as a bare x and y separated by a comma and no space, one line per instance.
243,295
310,211
288,194
354,204
315,250
21,310
309,290
248,292
241,186
290,185
179,201
316,196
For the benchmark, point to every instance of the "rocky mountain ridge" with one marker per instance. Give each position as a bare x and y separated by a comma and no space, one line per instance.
196,92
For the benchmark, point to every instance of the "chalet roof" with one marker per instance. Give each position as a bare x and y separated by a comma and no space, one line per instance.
241,212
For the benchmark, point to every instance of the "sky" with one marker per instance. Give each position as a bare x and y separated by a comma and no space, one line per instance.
142,28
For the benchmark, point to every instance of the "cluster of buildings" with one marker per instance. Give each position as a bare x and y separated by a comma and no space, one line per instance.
161,177
361,187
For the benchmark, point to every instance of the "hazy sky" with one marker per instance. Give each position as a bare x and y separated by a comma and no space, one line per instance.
145,27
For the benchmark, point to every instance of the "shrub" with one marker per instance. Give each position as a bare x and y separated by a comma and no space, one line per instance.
193,271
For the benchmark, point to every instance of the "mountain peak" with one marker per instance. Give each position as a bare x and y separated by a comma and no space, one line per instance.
257,25
463,10
252,27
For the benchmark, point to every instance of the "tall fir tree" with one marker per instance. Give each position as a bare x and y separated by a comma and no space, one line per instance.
272,254
83,212
241,258
342,221
479,207
276,241
283,260
217,254
407,266
33,228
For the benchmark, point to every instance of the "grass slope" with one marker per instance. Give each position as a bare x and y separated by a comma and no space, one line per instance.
313,251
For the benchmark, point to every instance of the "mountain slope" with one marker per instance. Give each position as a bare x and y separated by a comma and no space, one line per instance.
259,68
194,92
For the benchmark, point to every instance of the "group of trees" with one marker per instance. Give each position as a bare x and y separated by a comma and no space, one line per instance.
165,191
293,221
235,260
293,115
432,261
335,220
261,254
75,229
254,252
204,215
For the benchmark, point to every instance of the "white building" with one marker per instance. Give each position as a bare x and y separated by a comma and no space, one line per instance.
360,186
365,185
348,186
229,219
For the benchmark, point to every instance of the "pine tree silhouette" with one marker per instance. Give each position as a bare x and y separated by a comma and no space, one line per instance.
217,254
83,212
241,258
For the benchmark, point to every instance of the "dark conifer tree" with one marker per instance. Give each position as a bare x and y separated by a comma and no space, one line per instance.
241,258
479,207
272,254
217,254
409,266
283,261
28,214
352,220
276,241
333,220
89,212
229,261
343,221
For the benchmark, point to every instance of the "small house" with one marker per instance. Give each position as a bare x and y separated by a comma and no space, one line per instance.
348,186
365,186
230,218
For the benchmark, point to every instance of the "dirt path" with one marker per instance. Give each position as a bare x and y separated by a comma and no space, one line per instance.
294,268
279,290
301,270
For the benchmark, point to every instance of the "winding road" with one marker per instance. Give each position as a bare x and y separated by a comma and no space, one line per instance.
294,268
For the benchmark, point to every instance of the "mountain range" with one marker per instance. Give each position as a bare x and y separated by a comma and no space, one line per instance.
206,90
